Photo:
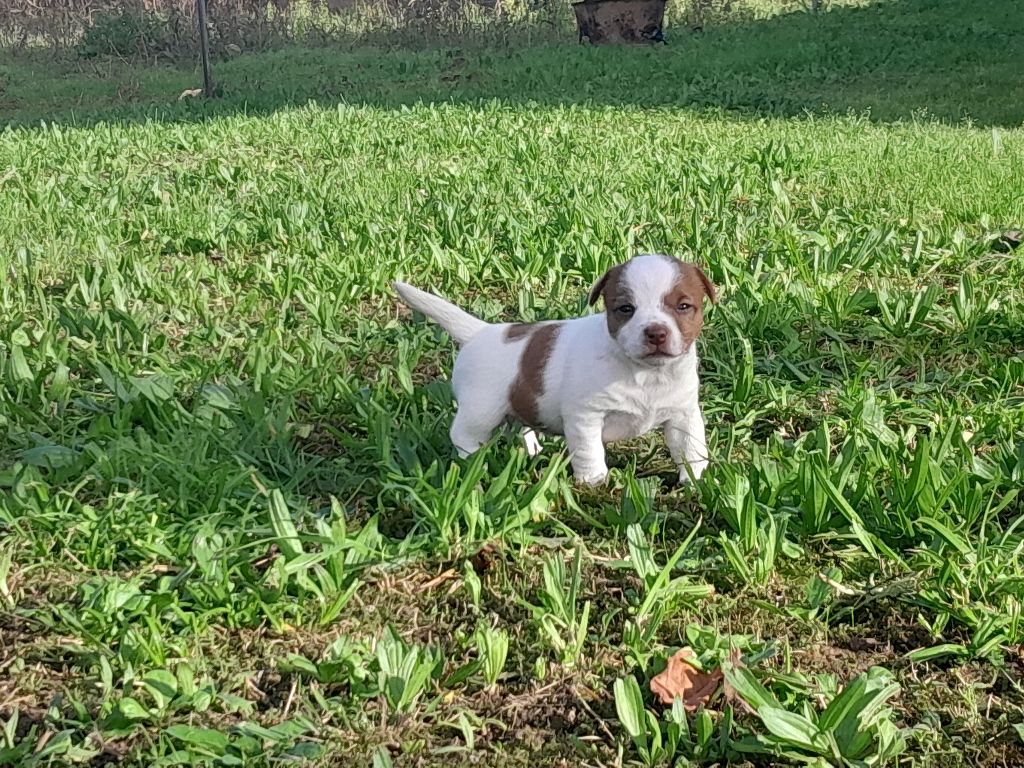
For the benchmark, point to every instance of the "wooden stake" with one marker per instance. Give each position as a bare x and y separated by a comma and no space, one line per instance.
204,48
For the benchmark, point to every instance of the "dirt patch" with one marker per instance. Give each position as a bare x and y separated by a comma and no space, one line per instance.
539,715
844,663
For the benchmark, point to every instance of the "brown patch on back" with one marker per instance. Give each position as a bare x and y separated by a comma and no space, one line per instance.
690,288
612,288
519,331
524,395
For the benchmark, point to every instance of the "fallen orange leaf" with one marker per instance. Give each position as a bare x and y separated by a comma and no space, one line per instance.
681,678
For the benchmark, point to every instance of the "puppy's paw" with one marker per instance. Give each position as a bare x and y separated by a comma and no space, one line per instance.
532,443
697,469
592,478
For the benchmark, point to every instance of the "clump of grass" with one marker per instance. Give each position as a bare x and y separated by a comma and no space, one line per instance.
126,33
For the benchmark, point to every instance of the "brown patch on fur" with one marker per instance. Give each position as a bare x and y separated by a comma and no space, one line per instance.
612,289
519,331
690,288
524,395
709,287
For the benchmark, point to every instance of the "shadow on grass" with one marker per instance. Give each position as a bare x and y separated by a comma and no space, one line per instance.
951,60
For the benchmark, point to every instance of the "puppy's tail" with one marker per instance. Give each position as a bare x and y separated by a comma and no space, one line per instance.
461,326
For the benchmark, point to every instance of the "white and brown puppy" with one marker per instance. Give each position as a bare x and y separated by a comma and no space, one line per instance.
594,379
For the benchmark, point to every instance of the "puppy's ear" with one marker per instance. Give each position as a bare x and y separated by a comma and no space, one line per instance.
595,292
709,287
601,284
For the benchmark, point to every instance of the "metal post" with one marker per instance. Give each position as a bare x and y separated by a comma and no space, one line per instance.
204,48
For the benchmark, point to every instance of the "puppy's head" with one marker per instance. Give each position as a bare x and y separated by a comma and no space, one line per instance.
654,305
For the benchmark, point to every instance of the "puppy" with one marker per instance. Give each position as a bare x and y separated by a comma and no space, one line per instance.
593,379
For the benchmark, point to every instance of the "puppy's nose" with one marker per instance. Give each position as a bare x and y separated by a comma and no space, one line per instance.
656,334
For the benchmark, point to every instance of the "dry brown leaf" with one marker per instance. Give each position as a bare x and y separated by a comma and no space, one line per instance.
442,577
486,557
682,678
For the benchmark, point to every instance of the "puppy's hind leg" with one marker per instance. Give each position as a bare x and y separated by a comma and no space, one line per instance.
481,397
473,425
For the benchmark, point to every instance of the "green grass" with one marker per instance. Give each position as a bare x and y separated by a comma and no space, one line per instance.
953,60
232,530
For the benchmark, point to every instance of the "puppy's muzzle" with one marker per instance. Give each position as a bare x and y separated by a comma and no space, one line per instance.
656,336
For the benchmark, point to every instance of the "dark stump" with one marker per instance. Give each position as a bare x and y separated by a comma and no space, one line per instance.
618,22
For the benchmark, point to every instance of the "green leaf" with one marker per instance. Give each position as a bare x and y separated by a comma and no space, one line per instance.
629,706
186,680
50,456
306,560
20,372
749,687
846,704
872,419
161,685
947,535
937,652
157,389
656,589
793,729
215,741
856,712
1019,728
287,536
132,710
640,553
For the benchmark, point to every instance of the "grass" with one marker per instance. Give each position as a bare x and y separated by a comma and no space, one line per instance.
953,60
232,530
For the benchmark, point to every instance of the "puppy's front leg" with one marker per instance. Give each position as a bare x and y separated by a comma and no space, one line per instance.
686,442
583,439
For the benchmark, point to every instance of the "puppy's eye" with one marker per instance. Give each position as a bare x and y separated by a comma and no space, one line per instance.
684,306
625,309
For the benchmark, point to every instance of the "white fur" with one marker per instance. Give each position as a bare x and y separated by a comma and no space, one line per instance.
461,325
648,278
597,389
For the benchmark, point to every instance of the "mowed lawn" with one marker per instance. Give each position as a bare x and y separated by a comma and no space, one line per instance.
232,528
